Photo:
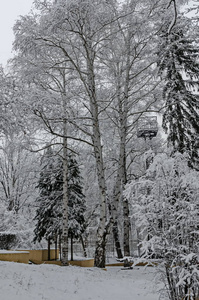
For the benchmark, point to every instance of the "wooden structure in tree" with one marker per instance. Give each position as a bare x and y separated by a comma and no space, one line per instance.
147,127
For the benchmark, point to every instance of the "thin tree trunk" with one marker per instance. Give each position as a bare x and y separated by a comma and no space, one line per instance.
126,227
56,247
71,247
65,200
121,179
138,243
60,248
114,214
102,229
115,205
116,240
97,145
48,248
126,218
83,246
124,126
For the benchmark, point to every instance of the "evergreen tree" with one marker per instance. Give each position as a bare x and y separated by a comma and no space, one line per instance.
49,200
49,212
76,200
178,64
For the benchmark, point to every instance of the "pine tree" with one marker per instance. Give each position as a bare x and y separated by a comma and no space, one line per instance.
76,200
178,64
49,212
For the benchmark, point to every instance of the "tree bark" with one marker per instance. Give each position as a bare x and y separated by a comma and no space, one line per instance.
121,179
83,246
56,247
124,126
60,248
97,145
100,251
126,227
117,239
114,209
71,247
65,199
48,248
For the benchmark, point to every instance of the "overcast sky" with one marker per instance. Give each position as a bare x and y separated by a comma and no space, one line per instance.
10,10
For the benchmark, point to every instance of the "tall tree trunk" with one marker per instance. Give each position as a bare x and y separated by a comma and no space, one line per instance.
97,145
124,126
114,208
102,227
71,247
55,247
60,248
65,199
121,179
117,239
126,218
138,243
83,246
100,251
126,227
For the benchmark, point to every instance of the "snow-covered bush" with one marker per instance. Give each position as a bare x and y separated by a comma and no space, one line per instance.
166,206
16,230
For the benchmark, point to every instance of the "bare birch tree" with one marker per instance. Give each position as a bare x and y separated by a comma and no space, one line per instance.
131,63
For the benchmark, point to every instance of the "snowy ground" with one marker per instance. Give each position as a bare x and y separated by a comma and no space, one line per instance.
50,282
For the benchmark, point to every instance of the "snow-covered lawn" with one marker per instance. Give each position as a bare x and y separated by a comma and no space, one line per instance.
50,282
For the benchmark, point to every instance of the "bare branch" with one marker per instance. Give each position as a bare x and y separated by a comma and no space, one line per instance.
51,130
174,15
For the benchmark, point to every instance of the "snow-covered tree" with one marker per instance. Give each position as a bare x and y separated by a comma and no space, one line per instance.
73,31
76,197
18,169
50,191
179,68
166,205
62,56
130,64
50,205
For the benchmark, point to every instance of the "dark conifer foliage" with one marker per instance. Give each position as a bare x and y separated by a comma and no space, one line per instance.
49,213
179,66
76,200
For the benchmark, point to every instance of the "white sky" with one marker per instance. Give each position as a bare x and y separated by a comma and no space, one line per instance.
10,10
